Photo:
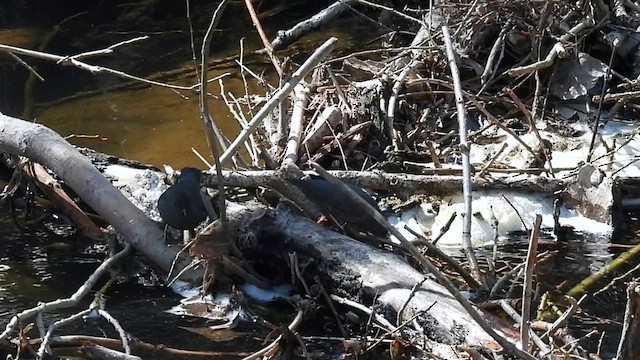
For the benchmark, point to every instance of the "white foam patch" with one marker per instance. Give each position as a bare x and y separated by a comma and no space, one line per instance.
266,295
184,289
142,187
621,140
581,223
486,203
418,219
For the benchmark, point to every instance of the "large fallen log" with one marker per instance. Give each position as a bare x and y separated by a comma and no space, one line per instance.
354,269
46,147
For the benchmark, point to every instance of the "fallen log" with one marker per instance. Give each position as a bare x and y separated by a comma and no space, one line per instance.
400,183
46,147
350,268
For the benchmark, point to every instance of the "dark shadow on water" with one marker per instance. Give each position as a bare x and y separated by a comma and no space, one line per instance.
38,266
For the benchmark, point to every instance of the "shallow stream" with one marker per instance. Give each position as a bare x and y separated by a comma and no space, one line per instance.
159,126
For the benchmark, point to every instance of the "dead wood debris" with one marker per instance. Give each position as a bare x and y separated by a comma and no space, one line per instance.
385,119
391,111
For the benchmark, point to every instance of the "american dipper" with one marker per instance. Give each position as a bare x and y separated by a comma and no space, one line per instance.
181,205
332,202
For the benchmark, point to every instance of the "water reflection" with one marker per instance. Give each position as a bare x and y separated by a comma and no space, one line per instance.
153,125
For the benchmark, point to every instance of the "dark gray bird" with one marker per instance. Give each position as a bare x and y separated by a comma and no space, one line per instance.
332,202
181,206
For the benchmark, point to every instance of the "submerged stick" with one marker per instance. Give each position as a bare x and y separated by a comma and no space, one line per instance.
605,271
528,281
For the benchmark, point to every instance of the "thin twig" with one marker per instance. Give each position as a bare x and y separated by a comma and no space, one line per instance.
94,69
532,123
263,37
191,40
292,327
380,320
341,95
391,10
502,281
465,150
433,250
605,82
393,99
208,122
504,304
524,224
488,68
327,298
564,318
493,159
445,227
27,66
44,345
414,289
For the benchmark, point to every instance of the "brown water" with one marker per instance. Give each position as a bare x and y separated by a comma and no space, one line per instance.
154,125
157,126
151,124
